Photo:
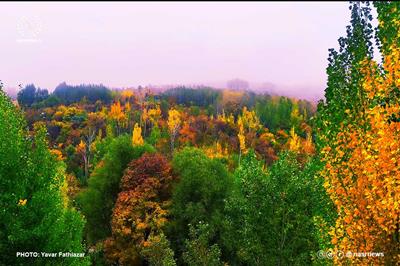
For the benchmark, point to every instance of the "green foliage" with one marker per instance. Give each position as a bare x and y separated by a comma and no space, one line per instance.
159,253
387,30
199,196
277,113
269,215
155,135
91,93
34,212
343,94
97,201
198,250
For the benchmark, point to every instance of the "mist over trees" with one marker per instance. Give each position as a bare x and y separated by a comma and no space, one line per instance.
204,176
91,93
30,95
63,94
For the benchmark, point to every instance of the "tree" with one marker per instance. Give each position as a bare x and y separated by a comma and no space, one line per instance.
141,208
98,199
35,212
242,138
343,94
198,252
187,134
201,96
30,95
158,252
137,135
85,149
198,196
360,154
117,117
155,135
294,141
174,123
71,94
26,96
269,214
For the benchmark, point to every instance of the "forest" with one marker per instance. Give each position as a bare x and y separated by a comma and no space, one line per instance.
207,177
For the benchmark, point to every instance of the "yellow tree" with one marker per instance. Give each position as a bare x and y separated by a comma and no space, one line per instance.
82,149
174,123
117,116
362,173
154,114
126,95
250,120
241,137
308,145
295,117
137,138
294,141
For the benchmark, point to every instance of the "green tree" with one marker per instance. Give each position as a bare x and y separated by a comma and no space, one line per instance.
199,196
34,211
269,216
155,135
158,252
199,251
343,94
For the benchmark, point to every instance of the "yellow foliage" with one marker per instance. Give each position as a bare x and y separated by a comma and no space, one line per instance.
137,135
116,112
154,114
22,202
308,145
58,154
216,151
362,173
126,94
294,141
127,107
250,120
241,137
174,121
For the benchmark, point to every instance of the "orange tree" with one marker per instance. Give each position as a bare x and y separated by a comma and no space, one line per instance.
140,210
361,153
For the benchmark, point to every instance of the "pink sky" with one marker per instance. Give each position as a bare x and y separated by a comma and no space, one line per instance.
129,43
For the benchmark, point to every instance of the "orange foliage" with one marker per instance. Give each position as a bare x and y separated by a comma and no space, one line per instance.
141,208
116,112
362,172
187,134
58,154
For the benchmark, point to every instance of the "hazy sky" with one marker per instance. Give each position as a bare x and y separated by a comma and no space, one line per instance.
130,44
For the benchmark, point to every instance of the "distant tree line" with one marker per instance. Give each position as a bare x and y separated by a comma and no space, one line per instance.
192,96
30,96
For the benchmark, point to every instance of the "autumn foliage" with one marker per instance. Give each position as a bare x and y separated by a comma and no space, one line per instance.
362,175
141,208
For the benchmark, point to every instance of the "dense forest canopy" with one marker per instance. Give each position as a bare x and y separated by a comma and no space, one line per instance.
204,176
